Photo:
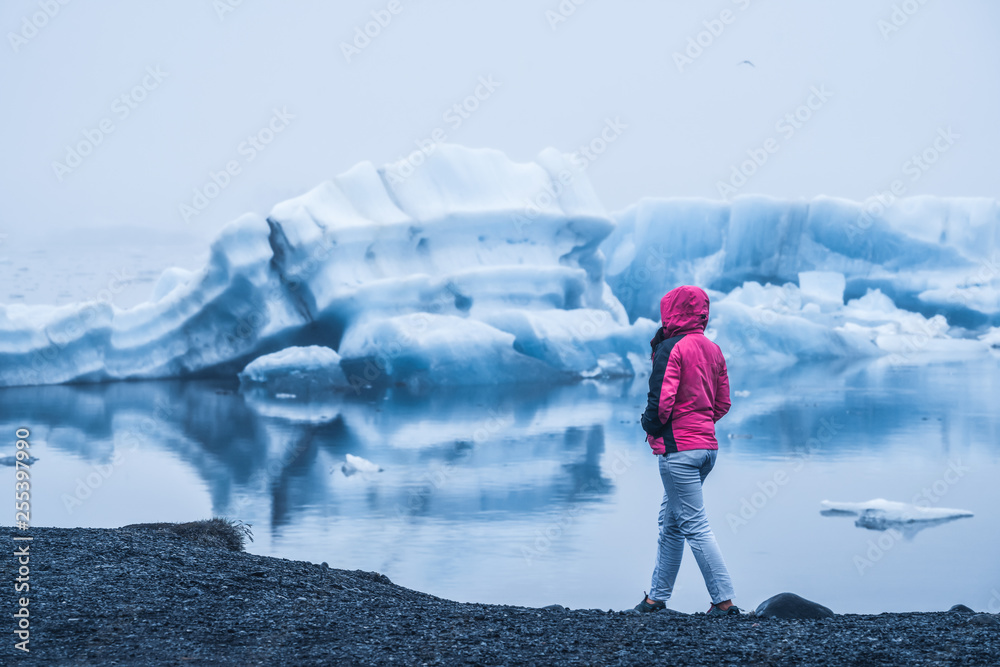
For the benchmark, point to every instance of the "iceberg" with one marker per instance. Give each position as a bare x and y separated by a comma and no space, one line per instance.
470,269
940,248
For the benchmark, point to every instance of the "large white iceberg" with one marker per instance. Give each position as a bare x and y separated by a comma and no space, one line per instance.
470,269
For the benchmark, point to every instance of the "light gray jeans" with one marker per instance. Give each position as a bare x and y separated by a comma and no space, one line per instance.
682,517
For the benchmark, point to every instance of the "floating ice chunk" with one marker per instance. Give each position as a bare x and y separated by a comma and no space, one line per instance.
355,464
882,512
741,393
295,370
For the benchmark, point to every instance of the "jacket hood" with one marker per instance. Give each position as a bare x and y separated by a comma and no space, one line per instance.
684,310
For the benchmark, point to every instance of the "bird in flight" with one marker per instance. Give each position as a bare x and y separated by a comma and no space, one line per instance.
746,62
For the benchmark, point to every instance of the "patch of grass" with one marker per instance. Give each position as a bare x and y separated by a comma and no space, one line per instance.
219,532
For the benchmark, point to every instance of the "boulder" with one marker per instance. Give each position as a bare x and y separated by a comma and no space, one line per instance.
961,609
989,620
792,606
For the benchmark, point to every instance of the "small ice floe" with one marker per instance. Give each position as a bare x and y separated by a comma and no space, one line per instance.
741,436
882,514
355,464
12,460
284,395
741,393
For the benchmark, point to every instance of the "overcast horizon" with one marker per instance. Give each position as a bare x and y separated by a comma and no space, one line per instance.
169,95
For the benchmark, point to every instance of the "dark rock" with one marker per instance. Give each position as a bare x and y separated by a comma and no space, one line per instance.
961,609
555,607
985,619
791,606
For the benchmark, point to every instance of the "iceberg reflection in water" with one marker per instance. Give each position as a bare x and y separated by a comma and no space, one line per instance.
538,495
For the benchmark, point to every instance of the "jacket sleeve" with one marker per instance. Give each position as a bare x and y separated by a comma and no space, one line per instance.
663,383
722,402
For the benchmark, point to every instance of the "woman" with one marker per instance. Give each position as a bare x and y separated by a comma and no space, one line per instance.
688,393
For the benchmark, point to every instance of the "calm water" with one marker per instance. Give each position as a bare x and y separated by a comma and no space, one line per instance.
537,496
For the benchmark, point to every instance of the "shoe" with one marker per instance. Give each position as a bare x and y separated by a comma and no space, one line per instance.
731,611
645,607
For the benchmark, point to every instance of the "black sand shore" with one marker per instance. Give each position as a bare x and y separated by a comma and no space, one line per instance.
151,597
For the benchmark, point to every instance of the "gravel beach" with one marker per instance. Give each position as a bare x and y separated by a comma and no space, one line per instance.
150,596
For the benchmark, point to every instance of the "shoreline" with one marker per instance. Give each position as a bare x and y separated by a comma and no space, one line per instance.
154,594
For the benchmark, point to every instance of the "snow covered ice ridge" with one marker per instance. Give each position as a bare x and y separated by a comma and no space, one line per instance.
472,268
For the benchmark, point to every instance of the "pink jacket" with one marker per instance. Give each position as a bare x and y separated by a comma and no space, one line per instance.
689,385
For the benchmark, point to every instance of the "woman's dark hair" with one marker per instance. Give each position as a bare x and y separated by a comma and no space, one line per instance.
660,336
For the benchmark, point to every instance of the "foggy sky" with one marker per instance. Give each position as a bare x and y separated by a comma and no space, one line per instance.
886,94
